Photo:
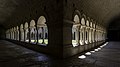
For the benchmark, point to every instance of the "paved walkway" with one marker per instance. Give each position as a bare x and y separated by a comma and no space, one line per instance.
109,56
12,55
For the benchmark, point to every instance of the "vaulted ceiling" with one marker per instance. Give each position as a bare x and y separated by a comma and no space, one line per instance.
6,9
12,12
101,10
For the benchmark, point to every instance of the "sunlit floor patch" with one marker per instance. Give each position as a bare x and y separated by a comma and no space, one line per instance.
74,42
88,53
92,51
99,48
82,57
96,50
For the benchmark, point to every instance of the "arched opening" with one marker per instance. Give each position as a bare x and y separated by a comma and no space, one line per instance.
82,40
26,32
22,32
42,31
33,32
113,32
75,31
17,33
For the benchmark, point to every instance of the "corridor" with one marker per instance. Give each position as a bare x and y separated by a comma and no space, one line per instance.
59,33
108,56
12,55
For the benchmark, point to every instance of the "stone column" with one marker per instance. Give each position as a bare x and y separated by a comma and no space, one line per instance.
43,34
88,35
29,32
37,33
24,34
84,35
80,35
93,35
18,36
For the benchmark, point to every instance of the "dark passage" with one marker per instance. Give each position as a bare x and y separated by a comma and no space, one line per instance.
114,29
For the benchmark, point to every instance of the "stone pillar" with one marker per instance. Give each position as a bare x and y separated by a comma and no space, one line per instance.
37,35
24,33
93,35
84,35
80,35
88,35
18,35
67,35
29,32
43,34
56,37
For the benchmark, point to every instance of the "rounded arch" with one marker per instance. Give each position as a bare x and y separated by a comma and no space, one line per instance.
94,25
75,30
41,20
33,32
26,25
21,26
12,29
76,19
76,12
87,23
91,24
17,27
83,21
42,30
32,23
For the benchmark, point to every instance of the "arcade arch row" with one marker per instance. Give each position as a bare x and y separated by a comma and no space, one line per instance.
29,33
86,31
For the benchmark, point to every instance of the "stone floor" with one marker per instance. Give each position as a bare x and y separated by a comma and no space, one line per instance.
12,55
109,56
